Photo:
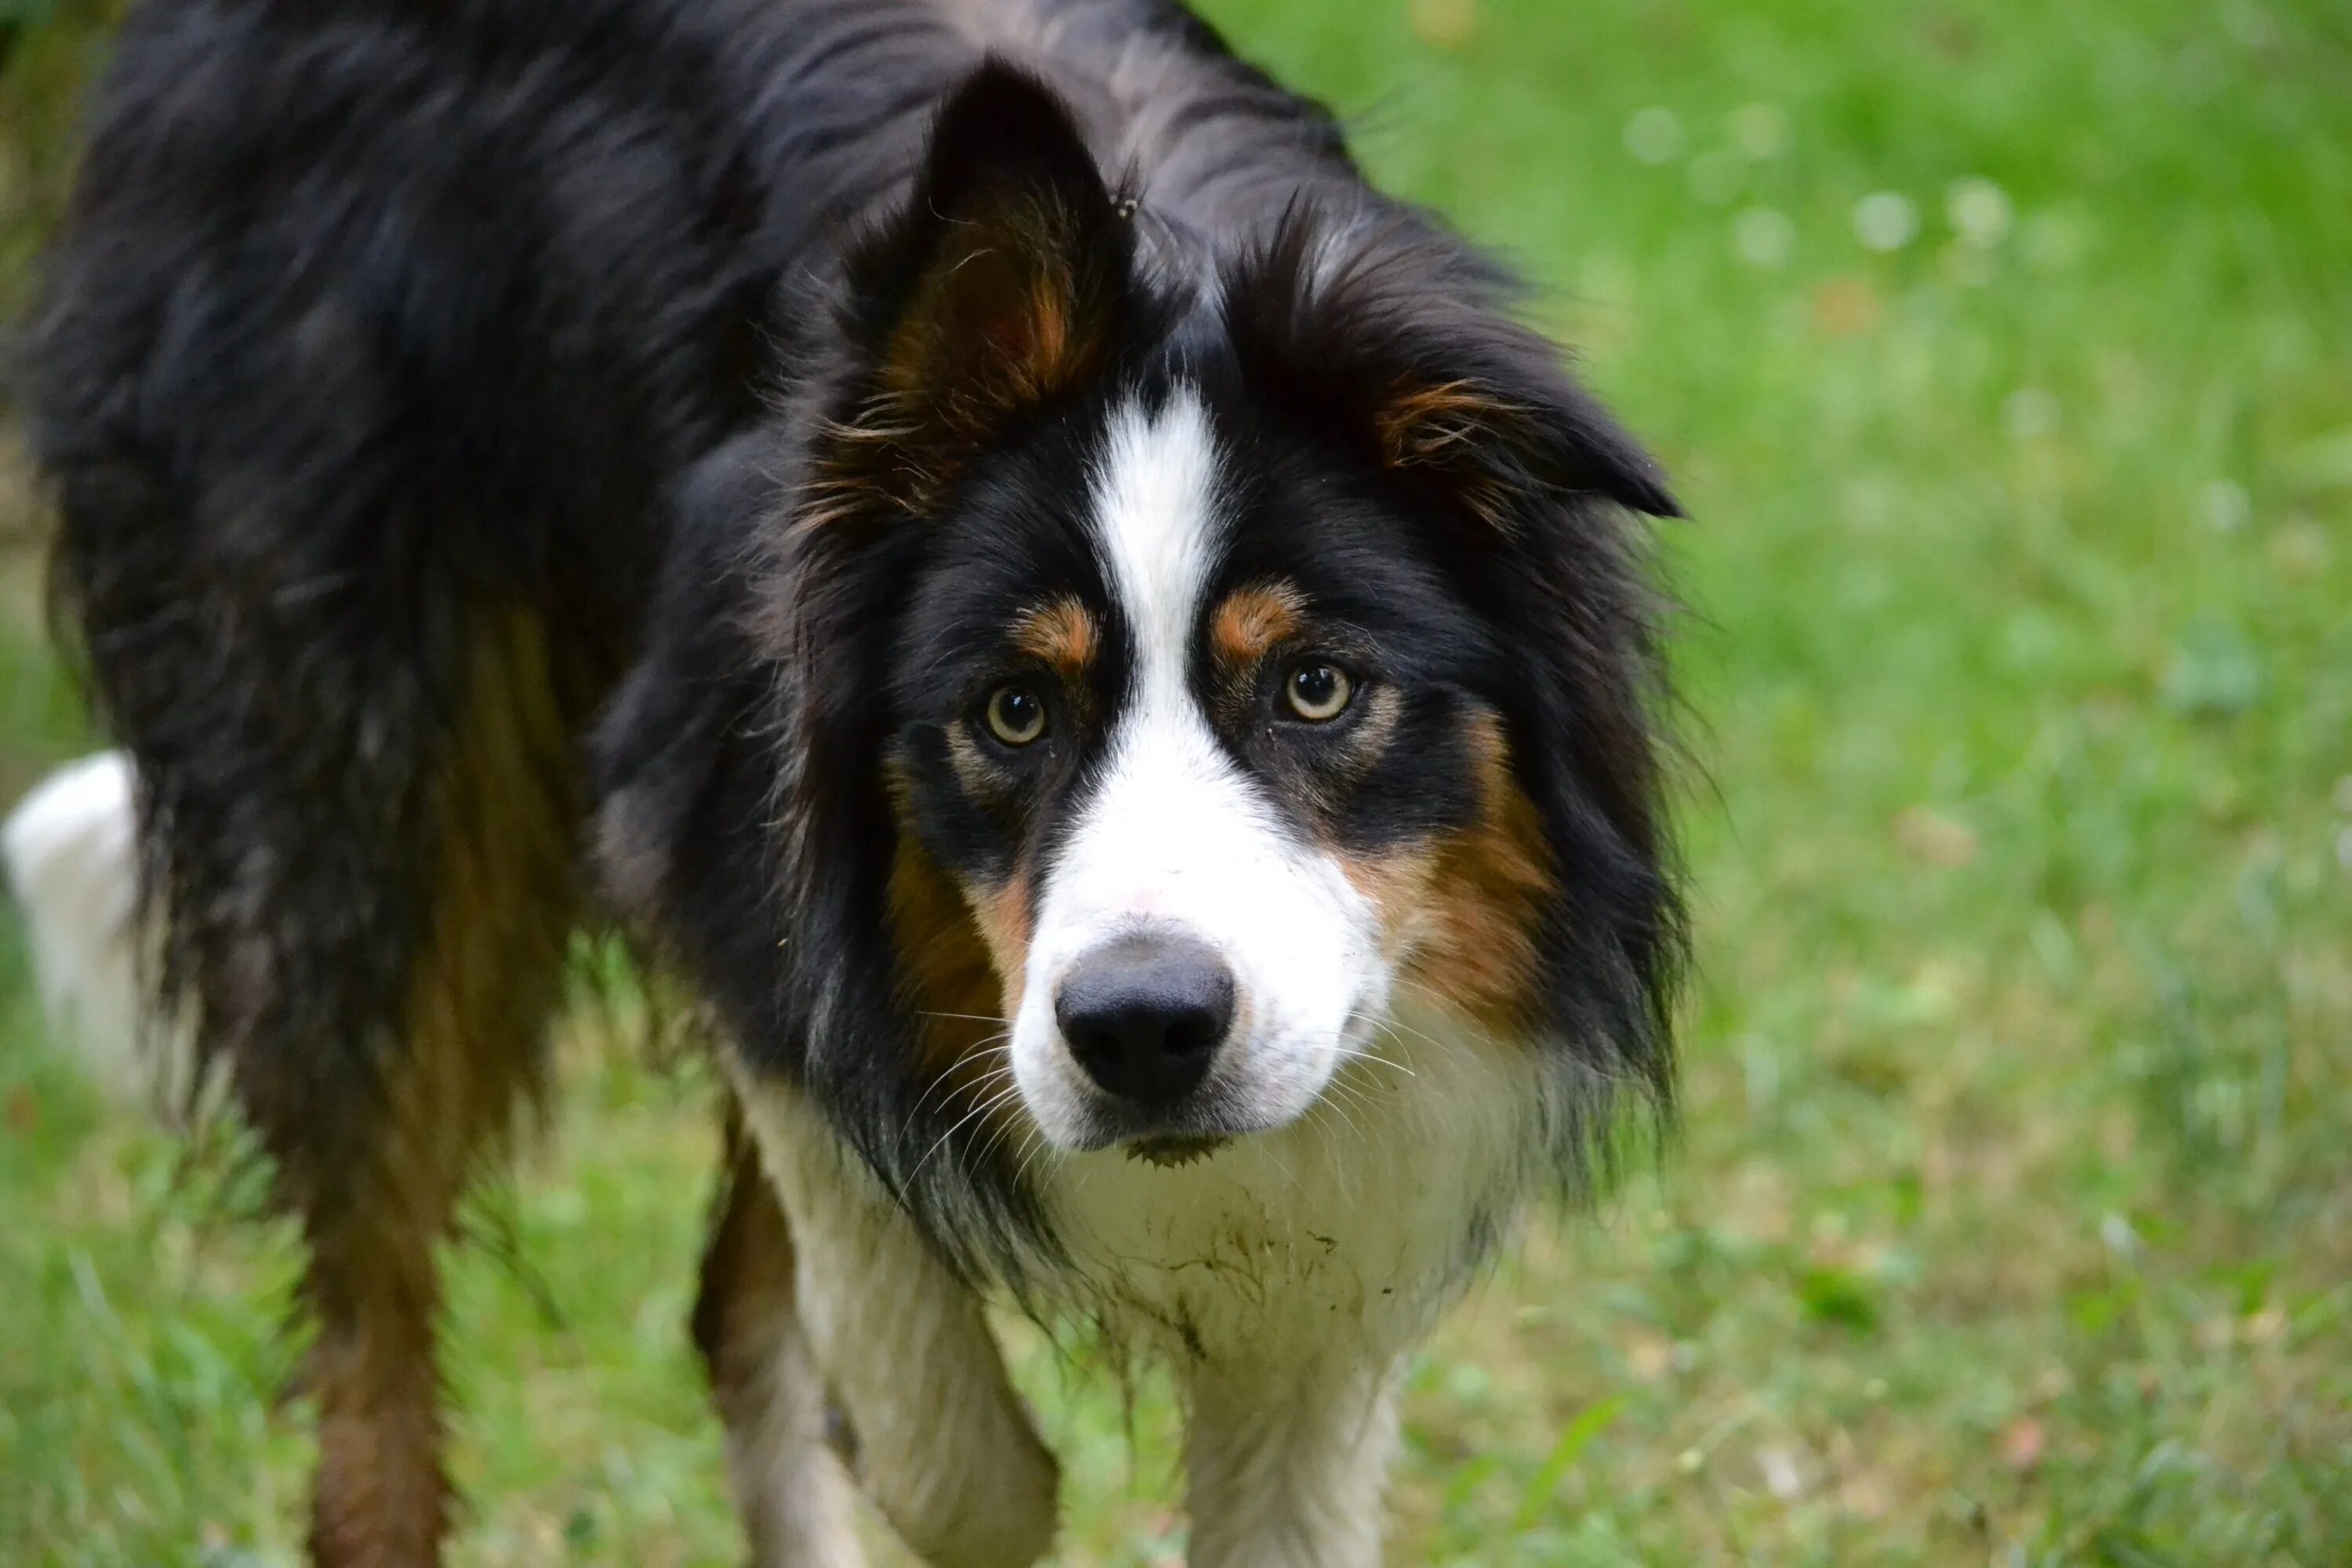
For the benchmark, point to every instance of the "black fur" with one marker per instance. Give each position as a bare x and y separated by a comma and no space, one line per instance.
1546,616
365,317
371,317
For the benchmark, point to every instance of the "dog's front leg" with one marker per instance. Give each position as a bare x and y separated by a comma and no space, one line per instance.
944,1446
1284,1465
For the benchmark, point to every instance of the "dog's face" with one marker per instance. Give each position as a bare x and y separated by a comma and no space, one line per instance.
1192,728
1178,673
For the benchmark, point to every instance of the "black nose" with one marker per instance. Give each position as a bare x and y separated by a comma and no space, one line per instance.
1144,1015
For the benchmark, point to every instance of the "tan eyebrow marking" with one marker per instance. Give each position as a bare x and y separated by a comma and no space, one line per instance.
1253,620
1062,634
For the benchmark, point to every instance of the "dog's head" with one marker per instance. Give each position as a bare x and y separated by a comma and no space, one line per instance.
1179,668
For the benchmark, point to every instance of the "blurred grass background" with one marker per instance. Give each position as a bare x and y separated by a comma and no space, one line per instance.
2005,356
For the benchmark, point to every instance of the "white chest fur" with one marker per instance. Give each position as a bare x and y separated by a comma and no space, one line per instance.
1282,1275
1352,1227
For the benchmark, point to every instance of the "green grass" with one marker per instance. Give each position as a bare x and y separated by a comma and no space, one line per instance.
2010,1222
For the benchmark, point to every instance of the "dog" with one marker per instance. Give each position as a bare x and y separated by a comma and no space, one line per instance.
1124,681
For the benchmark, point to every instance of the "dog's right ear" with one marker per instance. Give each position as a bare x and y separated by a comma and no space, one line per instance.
1001,283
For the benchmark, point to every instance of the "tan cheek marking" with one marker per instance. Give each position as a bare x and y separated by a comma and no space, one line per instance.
1253,622
1494,881
1062,635
942,956
1396,883
1462,908
1003,918
961,959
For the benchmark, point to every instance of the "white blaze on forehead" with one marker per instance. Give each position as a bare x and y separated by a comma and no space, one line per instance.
1156,514
1176,836
1173,806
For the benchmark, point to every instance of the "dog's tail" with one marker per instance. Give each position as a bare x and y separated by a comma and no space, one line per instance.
71,849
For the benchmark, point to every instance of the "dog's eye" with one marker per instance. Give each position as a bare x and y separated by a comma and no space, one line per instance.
1017,715
1318,693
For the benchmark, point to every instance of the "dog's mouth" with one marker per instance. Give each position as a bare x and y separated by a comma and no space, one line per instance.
1168,1151
1170,1136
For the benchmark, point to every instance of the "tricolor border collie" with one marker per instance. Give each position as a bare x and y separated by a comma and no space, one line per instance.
1120,676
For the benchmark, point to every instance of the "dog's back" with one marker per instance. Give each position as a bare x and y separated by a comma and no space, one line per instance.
371,342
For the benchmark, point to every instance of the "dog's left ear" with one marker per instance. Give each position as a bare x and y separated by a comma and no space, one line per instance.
1400,345
1490,446
1000,284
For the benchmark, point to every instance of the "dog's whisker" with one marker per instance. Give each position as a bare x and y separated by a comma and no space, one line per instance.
981,1109
950,1081
999,1133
